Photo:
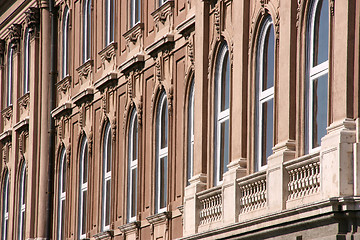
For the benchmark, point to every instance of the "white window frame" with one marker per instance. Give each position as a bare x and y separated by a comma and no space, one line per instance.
5,206
220,116
190,157
314,72
106,175
133,164
161,153
262,96
162,2
65,40
22,202
133,11
109,21
10,75
62,193
83,187
26,61
86,30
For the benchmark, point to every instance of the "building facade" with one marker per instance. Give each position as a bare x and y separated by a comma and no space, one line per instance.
179,119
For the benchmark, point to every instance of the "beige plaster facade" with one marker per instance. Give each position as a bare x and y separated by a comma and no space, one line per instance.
174,45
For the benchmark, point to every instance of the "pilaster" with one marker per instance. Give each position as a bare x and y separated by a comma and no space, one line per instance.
191,203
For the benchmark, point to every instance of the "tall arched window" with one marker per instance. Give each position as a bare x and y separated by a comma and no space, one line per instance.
132,167
9,75
222,114
106,192
317,74
26,61
83,187
65,43
22,202
86,30
5,207
62,195
264,106
135,12
109,21
190,141
161,154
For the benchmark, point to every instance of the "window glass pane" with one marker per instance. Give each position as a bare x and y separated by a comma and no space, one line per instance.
5,229
135,141
107,204
84,207
268,64
22,230
321,33
137,11
320,96
24,188
85,164
133,191
62,218
163,181
164,125
267,131
63,187
224,148
108,160
225,83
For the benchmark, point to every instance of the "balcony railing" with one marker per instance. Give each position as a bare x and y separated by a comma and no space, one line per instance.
252,193
211,206
304,177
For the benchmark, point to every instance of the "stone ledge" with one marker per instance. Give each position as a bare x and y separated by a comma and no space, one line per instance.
159,217
187,26
136,61
130,227
162,43
105,81
83,95
21,124
61,110
133,33
104,235
6,134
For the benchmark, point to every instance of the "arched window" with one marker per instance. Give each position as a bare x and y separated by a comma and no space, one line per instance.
5,207
106,192
161,155
62,195
26,61
86,30
65,43
317,74
10,75
22,202
222,114
264,106
83,187
132,167
109,21
135,12
190,141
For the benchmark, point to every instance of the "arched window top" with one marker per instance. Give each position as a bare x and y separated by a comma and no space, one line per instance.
133,136
61,194
5,206
223,78
65,43
132,167
190,143
319,32
163,121
83,186
106,193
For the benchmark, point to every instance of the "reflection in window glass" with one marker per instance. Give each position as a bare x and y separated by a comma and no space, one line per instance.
316,94
161,154
265,69
222,113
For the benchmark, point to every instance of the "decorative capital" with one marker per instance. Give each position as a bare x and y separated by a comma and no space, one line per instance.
32,18
15,34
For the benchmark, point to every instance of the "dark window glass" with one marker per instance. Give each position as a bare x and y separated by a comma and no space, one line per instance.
133,200
267,131
107,206
108,160
84,207
135,136
163,181
85,159
224,148
63,187
320,95
321,33
268,64
225,83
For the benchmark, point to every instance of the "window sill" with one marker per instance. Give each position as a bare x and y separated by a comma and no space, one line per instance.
133,33
85,69
159,217
162,12
109,52
83,96
24,100
64,84
136,61
7,112
130,227
104,235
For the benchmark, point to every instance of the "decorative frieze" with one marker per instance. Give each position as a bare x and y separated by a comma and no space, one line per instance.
133,37
7,113
24,104
15,35
32,19
163,15
85,71
165,42
107,56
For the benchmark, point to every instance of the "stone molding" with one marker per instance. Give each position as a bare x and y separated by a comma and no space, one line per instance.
105,81
61,110
83,96
162,43
135,62
85,70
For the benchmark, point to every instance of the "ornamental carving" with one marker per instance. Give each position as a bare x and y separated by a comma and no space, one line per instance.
139,111
6,150
164,15
32,18
190,48
64,85
7,113
24,103
68,155
14,36
90,141
113,129
108,53
170,97
85,71
2,51
158,69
